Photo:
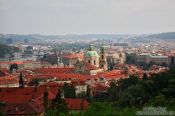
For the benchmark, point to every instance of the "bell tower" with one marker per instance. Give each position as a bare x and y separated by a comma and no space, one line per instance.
103,61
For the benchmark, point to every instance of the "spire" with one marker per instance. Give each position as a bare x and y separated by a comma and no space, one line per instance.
21,80
90,47
102,48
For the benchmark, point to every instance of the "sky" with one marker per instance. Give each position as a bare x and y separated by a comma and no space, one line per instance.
55,17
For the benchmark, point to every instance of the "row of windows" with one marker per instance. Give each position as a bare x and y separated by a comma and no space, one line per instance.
94,62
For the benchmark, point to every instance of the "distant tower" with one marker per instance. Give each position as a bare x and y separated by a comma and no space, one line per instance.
21,81
103,62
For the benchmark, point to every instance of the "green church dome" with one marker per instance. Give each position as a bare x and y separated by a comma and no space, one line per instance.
91,53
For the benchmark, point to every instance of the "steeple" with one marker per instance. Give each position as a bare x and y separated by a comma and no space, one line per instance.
91,47
21,80
103,62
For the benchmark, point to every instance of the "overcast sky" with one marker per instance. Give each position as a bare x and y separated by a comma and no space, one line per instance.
86,16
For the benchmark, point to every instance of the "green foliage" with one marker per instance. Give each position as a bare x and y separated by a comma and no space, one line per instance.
5,49
101,96
58,106
69,91
135,92
130,58
88,94
106,109
112,91
13,66
1,112
159,100
34,82
99,109
28,52
55,113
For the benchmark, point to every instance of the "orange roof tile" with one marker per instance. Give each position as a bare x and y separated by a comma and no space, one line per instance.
77,104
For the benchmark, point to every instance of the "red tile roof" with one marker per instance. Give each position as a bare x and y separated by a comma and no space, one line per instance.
77,104
99,87
8,80
15,98
35,92
2,73
28,100
30,108
63,76
54,70
112,74
74,55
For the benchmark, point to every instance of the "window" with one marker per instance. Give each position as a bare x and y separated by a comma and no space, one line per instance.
94,62
89,61
102,57
102,65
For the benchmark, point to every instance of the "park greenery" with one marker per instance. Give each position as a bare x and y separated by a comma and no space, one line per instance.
5,49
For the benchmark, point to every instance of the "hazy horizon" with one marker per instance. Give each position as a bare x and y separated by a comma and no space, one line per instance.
61,17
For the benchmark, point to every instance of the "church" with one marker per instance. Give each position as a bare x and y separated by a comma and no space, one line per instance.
95,59
94,62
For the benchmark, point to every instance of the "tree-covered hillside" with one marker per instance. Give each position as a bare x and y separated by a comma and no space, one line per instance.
164,36
5,49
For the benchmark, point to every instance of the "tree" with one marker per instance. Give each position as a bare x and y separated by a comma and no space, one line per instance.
145,77
111,66
13,66
112,91
107,109
59,105
34,82
159,100
2,105
46,102
125,83
130,58
88,94
69,91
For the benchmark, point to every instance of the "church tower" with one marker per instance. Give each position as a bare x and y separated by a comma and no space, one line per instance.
103,62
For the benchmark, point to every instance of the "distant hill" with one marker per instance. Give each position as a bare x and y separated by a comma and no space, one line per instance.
168,36
36,38
43,38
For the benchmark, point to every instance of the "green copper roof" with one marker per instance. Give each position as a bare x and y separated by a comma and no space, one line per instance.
91,53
